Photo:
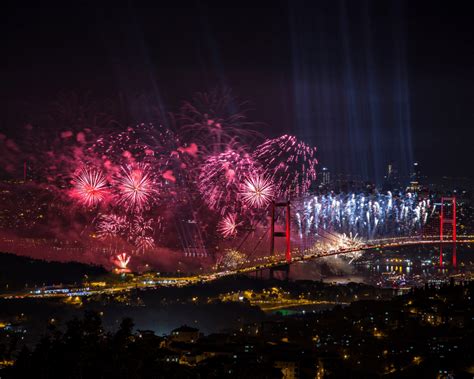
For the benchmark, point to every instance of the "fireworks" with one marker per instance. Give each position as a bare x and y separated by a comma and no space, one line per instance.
231,260
132,228
215,119
228,226
122,261
257,191
330,242
141,230
90,186
148,186
364,215
144,243
292,164
142,226
110,226
349,241
221,178
135,187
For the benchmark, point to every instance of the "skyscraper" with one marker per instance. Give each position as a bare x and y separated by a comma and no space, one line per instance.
325,177
391,178
415,178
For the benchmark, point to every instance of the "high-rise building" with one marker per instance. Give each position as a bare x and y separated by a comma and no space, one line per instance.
325,177
416,172
415,178
391,179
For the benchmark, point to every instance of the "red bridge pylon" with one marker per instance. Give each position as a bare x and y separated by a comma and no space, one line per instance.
450,220
285,234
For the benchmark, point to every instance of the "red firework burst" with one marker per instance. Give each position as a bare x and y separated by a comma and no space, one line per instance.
90,186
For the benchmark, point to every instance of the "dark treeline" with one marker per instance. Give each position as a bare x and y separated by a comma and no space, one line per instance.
86,350
16,272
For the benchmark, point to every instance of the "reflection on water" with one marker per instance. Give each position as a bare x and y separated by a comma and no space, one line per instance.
304,309
401,267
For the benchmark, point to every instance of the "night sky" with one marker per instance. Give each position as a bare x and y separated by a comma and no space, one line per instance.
367,82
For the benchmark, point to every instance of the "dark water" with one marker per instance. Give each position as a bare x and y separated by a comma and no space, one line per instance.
401,267
303,309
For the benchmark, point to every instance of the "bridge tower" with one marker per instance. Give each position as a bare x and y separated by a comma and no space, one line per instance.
285,234
450,221
281,234
443,220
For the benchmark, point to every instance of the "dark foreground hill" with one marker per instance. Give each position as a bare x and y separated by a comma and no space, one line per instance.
17,272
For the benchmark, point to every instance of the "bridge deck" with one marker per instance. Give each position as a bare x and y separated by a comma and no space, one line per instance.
376,244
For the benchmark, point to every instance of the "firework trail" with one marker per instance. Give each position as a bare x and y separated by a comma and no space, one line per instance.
292,164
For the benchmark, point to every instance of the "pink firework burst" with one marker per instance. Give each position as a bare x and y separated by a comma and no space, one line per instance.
228,226
215,118
142,226
135,187
221,176
292,164
144,243
257,191
90,186
110,226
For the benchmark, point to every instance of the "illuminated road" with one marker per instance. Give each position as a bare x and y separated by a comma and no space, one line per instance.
269,306
265,263
372,245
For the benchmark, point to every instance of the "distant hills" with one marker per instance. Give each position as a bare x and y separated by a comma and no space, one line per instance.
18,271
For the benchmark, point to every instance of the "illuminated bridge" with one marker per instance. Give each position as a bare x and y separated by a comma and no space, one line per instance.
340,244
271,263
281,255
280,263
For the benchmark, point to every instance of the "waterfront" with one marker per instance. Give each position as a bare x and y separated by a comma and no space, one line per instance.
393,268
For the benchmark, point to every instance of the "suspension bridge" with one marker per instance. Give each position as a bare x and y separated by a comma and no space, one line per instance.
284,251
279,231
